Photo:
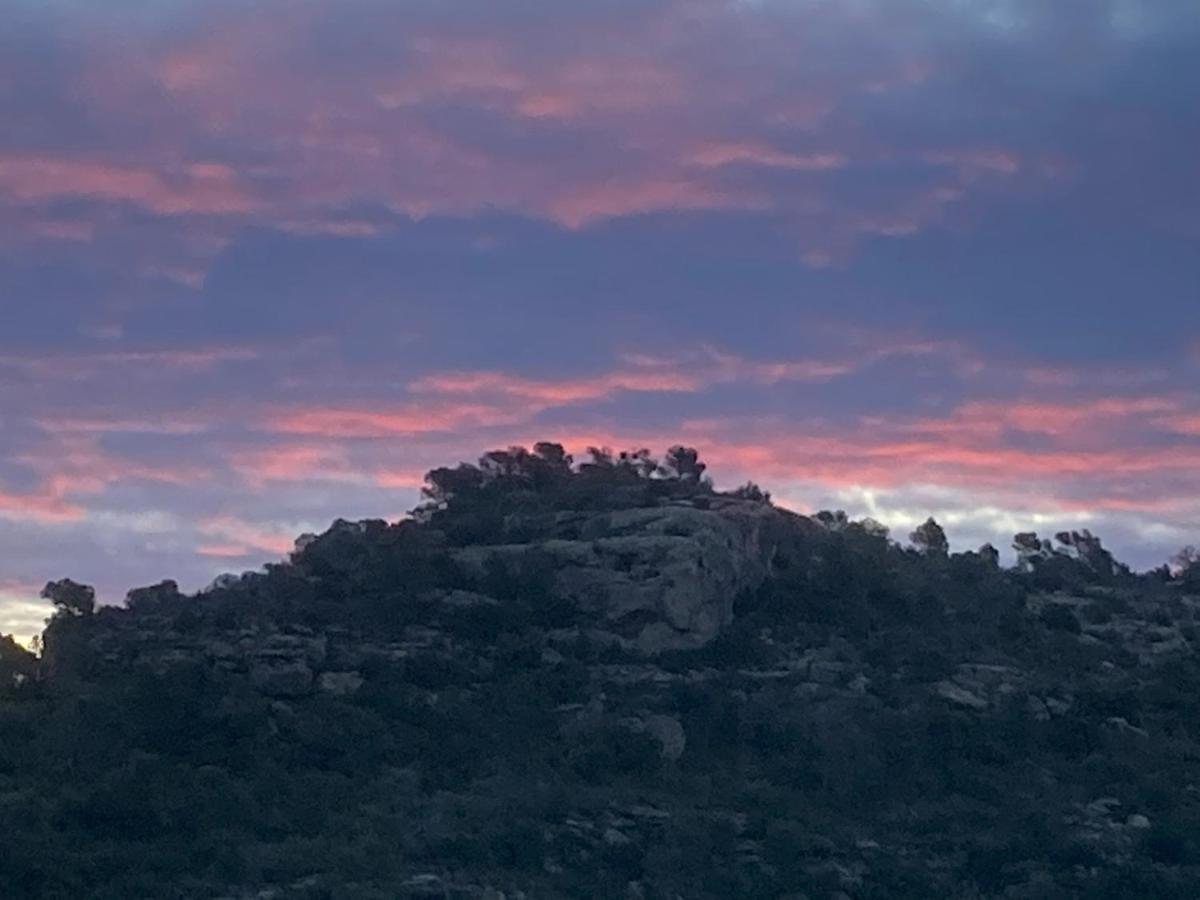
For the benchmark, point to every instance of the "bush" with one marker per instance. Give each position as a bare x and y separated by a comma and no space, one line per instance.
1058,617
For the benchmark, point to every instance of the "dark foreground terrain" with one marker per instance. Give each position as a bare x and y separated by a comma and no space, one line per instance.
607,680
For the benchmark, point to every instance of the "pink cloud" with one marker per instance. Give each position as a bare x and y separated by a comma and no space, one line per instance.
40,506
1064,419
74,466
231,536
399,478
717,154
197,188
690,371
556,392
338,422
83,364
291,462
227,551
976,161
171,423
577,206
670,106
1187,424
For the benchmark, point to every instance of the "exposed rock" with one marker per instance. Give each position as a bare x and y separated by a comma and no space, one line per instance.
1103,806
426,885
827,672
1058,707
340,684
1122,726
1037,709
291,679
669,733
665,576
860,684
948,690
220,649
293,647
459,599
615,838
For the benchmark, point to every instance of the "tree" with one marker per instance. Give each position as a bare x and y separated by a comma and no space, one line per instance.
990,555
554,456
640,462
512,463
16,663
1030,550
1186,567
751,491
833,520
444,484
684,464
70,598
152,598
599,458
874,528
930,539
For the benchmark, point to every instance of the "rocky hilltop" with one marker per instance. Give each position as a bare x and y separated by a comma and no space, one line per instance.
663,577
607,679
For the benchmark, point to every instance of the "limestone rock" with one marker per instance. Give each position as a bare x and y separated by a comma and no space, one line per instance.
459,599
425,885
827,673
669,733
662,577
615,838
294,647
1037,709
948,690
340,684
289,679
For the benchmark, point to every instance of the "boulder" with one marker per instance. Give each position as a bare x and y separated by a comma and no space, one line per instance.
669,733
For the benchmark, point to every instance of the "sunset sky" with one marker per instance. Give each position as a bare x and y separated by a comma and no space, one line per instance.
263,264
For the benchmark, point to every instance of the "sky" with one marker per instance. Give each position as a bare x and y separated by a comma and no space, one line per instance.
263,264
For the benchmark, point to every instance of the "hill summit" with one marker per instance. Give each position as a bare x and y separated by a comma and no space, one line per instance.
609,679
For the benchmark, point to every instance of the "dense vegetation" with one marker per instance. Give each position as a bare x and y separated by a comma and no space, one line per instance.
880,720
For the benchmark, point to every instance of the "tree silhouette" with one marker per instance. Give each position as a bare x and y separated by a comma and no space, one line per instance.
70,598
684,463
930,539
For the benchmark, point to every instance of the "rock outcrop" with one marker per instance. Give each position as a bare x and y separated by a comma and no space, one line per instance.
661,578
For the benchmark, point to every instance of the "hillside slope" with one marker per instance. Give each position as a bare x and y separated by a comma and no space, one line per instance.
609,680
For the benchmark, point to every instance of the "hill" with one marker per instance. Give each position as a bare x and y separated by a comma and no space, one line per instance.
609,680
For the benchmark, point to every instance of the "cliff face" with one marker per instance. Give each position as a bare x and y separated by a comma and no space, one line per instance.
643,692
662,578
